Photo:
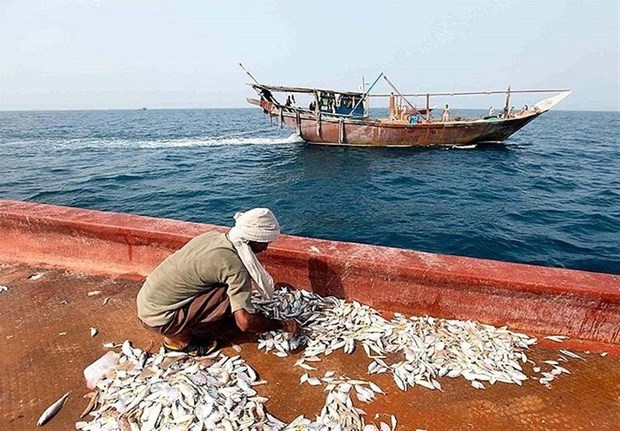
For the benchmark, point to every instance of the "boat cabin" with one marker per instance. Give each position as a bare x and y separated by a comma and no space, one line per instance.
341,104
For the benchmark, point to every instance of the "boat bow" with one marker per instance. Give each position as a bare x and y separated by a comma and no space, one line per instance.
546,104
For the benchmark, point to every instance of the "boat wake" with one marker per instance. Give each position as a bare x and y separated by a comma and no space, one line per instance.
250,138
218,141
463,147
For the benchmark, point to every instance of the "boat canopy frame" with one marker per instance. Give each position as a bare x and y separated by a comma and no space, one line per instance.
310,90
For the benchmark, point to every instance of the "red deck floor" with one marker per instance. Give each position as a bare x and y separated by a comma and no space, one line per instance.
46,344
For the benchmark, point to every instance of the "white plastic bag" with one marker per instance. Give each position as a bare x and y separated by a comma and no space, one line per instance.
100,368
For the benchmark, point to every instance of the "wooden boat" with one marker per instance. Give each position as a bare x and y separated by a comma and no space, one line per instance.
342,117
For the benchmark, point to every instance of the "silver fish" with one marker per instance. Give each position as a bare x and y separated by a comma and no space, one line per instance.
556,338
51,411
431,347
36,276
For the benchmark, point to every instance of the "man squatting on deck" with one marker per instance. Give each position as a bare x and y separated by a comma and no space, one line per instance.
188,297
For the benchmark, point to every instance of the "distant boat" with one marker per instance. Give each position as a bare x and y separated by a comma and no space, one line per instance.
143,108
342,117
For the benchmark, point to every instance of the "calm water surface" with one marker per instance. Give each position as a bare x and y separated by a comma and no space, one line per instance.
549,196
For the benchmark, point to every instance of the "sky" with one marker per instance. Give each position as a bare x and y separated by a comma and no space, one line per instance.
126,54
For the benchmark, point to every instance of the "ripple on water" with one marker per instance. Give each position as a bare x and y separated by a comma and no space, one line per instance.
550,195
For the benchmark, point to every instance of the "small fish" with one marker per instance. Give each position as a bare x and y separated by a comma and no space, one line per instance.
376,388
313,381
91,404
556,338
94,293
142,358
93,332
4,288
305,366
476,384
112,345
36,276
571,354
105,300
51,411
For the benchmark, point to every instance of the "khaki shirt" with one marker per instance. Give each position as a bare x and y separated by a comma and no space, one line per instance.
208,261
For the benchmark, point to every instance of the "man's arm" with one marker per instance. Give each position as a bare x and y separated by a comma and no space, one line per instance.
256,323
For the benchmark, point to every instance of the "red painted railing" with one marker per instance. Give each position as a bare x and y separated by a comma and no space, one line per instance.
533,299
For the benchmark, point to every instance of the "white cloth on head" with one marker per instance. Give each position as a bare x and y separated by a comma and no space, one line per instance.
259,225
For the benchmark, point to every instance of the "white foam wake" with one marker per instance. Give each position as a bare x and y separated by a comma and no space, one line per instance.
177,143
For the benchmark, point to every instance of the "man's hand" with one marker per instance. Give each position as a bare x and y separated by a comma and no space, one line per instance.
256,323
291,326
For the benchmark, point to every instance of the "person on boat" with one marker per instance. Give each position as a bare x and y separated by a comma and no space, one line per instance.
445,116
266,94
203,290
491,112
523,110
290,100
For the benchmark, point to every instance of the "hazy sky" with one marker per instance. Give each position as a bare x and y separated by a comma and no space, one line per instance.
86,54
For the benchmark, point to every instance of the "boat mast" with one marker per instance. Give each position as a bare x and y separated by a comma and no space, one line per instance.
249,74
367,101
317,101
365,95
507,107
399,93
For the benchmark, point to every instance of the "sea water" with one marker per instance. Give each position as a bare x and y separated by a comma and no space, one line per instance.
550,195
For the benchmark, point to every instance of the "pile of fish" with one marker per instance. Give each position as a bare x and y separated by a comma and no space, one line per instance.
177,392
428,348
339,412
174,391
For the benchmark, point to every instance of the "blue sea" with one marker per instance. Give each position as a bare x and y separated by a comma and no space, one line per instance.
549,196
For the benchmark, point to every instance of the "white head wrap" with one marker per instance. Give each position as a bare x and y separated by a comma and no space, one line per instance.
259,225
